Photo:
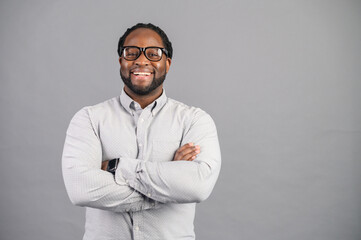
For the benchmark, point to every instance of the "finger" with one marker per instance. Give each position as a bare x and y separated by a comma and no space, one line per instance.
185,146
187,150
191,155
182,151
105,165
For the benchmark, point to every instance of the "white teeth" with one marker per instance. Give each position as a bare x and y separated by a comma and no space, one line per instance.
141,73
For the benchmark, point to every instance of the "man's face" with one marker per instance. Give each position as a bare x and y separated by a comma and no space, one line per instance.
144,84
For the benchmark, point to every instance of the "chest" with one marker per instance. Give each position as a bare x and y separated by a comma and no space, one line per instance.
147,137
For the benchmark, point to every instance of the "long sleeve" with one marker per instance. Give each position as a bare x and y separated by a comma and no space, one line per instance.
178,181
88,185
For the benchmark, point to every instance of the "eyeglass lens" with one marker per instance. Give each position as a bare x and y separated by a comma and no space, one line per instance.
132,53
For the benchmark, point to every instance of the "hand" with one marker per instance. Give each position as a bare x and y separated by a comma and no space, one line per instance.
105,165
188,152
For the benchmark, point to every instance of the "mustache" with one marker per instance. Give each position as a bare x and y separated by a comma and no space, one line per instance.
148,68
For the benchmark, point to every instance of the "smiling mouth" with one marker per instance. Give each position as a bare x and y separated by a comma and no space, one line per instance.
141,73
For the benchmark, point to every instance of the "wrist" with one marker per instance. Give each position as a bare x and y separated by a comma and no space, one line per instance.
113,165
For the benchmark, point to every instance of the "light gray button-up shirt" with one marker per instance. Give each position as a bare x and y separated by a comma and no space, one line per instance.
150,196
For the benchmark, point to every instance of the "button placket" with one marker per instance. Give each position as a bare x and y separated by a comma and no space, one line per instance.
137,225
141,132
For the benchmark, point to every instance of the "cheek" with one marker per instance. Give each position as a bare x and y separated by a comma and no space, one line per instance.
124,68
160,68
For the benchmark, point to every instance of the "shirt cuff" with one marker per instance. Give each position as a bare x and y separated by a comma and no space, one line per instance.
127,171
134,174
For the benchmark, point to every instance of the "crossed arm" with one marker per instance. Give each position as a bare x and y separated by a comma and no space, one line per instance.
178,181
188,152
139,185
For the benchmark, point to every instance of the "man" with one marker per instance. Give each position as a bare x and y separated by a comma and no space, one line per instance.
165,156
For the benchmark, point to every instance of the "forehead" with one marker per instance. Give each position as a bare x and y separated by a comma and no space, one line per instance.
143,37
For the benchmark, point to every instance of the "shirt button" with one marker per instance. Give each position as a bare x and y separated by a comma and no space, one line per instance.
140,145
137,228
149,195
126,181
141,120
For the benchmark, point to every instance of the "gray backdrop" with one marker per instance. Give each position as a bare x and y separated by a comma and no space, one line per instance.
280,78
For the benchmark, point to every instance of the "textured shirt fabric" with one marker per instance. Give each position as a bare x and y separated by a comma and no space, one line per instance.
150,196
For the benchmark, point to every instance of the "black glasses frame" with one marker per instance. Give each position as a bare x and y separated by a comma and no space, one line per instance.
142,50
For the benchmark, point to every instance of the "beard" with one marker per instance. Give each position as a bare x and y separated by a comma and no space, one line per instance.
156,82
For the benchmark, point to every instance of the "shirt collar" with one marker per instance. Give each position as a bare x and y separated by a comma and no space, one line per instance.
155,106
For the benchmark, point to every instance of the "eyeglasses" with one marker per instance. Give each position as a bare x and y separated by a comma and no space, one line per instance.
153,54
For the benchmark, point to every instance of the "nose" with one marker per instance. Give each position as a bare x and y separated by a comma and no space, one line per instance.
142,60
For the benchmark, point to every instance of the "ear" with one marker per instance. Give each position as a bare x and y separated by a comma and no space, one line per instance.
168,63
120,60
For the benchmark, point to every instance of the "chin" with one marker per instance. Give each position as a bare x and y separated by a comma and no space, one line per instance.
143,89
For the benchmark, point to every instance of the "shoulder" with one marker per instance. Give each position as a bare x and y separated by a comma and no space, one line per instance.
100,110
190,113
106,106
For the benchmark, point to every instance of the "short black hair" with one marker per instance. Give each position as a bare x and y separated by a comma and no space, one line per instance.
167,44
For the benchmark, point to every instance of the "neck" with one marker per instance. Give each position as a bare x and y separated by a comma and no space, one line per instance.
144,100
